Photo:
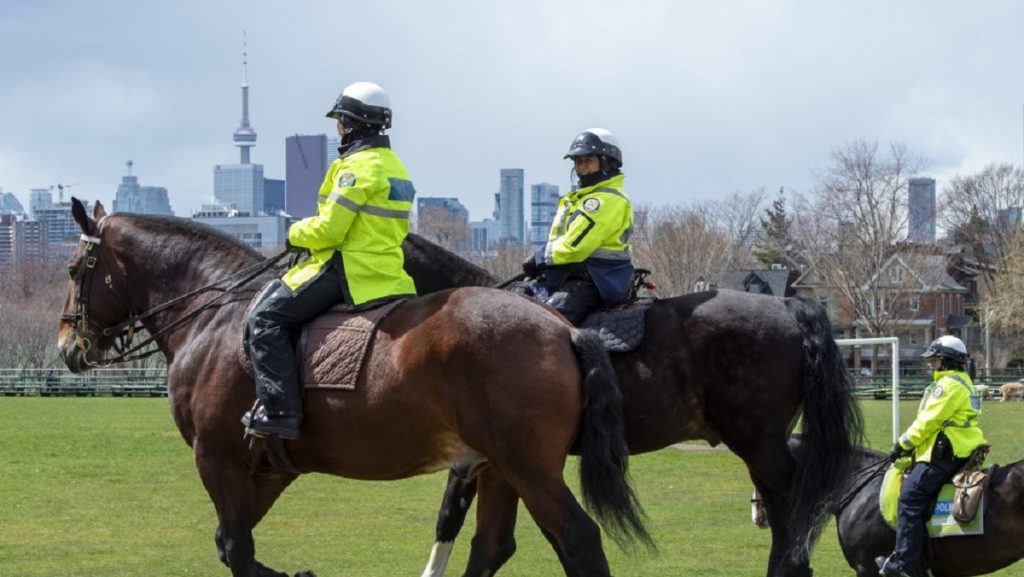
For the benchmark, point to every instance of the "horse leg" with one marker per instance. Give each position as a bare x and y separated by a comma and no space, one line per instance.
241,498
771,467
229,485
494,542
268,484
566,525
458,496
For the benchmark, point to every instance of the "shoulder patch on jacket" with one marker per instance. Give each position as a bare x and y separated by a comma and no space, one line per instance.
591,204
346,180
937,392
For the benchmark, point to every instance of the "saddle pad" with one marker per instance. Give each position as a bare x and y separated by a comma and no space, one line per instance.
942,523
334,344
620,330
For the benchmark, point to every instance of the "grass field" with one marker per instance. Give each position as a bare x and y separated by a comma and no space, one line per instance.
106,487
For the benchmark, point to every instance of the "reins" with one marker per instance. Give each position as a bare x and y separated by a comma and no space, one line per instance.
124,331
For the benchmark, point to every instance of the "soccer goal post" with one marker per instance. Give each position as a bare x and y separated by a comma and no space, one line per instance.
895,342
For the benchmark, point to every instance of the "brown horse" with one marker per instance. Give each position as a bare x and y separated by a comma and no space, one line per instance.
434,393
864,535
722,366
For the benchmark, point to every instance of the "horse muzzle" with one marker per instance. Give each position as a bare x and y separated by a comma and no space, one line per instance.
75,350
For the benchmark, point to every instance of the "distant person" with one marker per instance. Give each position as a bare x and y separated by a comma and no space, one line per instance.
585,264
355,254
940,439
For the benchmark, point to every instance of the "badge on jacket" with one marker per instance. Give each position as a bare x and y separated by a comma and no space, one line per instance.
591,205
937,392
346,180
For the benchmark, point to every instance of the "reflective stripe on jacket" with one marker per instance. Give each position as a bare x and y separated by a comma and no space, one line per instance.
363,213
592,226
949,404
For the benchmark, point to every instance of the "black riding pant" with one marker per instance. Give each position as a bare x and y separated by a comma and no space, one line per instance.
918,492
278,312
575,300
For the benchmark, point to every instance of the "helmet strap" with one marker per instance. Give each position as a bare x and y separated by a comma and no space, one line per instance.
604,174
356,131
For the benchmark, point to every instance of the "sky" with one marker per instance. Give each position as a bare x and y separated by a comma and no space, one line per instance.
706,98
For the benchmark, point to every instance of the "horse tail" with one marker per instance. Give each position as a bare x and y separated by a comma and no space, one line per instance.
832,427
604,456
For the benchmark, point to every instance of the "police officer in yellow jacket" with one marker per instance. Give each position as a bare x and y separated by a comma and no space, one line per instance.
586,263
355,254
940,439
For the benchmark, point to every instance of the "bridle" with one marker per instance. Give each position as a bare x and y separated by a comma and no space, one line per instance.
88,332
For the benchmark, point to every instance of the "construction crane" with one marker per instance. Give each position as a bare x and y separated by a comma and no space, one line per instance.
61,188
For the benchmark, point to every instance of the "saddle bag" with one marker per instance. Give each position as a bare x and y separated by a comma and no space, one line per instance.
970,483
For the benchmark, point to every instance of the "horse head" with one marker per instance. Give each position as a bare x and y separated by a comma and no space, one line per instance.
93,308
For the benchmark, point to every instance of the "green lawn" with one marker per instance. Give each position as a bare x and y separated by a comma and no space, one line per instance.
106,487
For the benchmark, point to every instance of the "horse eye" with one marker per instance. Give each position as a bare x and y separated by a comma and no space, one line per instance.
71,270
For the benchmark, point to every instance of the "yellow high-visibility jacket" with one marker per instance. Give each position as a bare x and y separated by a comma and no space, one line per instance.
950,405
592,226
363,213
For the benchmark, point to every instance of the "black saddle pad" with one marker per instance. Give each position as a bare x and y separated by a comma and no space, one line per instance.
621,330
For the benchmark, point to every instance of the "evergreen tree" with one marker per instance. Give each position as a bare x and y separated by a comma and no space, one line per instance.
774,240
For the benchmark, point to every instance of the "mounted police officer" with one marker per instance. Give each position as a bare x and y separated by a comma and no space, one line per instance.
355,254
585,264
940,439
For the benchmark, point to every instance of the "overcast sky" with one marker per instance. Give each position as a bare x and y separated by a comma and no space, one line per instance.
707,98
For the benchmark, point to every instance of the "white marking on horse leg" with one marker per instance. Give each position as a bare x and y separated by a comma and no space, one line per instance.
439,556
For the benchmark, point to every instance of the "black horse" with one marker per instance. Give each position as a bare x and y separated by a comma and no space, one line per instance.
722,366
864,534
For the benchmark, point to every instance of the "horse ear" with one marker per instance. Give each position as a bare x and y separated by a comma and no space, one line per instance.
78,213
98,211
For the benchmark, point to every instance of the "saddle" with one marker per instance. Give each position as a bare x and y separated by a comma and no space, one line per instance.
621,329
331,348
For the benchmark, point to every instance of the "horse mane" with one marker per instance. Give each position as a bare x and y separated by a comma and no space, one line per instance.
432,260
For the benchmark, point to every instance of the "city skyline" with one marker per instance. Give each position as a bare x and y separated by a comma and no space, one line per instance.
706,100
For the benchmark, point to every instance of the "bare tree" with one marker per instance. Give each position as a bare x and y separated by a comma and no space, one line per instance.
31,299
684,245
983,210
442,227
853,227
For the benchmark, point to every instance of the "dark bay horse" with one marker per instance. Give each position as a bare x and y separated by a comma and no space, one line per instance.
433,392
864,534
723,366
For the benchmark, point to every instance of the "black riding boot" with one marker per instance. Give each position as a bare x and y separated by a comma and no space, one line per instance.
277,313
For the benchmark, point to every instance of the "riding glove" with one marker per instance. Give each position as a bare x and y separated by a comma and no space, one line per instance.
530,267
898,452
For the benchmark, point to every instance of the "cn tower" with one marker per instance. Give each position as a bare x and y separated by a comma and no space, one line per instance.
245,136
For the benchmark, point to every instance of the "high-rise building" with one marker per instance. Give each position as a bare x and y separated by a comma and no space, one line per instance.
443,219
510,210
921,217
38,198
259,232
9,204
273,196
543,205
240,187
306,164
130,197
333,144
61,226
245,135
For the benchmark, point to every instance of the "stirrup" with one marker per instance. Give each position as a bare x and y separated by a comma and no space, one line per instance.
259,424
